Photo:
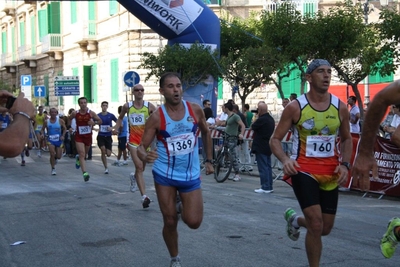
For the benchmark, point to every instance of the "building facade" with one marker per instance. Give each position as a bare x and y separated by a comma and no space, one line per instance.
98,41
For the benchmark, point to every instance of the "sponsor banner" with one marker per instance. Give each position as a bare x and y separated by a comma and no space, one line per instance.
387,157
177,15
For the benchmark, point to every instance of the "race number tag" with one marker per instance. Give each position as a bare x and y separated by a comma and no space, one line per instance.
84,129
180,144
136,119
320,146
54,137
4,125
104,128
39,127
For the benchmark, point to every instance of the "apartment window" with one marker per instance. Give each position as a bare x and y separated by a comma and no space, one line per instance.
87,83
74,12
114,75
33,35
113,7
22,33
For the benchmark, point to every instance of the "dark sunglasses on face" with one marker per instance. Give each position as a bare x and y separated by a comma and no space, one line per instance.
138,90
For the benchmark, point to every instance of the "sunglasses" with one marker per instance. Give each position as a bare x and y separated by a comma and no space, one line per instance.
138,90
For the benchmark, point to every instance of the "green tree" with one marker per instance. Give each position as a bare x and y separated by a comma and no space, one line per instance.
354,49
285,30
246,60
195,63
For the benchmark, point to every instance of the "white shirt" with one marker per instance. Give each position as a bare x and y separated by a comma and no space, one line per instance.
354,127
395,121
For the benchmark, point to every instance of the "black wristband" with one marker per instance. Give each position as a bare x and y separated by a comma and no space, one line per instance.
346,164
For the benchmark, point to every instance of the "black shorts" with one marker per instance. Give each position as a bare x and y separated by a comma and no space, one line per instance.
105,141
309,193
122,142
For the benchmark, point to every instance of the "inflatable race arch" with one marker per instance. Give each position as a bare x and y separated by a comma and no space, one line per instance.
184,22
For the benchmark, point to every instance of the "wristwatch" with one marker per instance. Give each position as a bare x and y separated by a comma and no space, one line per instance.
209,161
346,164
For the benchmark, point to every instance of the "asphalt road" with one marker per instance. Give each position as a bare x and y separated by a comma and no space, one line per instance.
67,222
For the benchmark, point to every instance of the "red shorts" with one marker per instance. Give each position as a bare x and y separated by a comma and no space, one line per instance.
84,138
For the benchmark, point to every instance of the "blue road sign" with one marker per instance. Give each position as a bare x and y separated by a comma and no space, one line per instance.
131,78
66,85
39,91
26,80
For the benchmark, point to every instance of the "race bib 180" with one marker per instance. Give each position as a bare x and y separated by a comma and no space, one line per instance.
137,119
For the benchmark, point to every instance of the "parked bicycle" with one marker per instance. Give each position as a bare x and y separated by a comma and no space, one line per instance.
223,160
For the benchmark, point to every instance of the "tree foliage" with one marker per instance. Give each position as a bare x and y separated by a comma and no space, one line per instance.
194,64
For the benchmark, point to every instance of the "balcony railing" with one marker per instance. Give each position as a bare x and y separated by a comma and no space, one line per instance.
8,59
51,42
83,31
25,52
304,6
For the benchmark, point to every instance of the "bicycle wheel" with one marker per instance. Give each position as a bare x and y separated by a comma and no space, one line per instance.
222,166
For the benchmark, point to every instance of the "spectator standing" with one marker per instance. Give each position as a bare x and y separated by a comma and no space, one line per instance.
354,115
248,115
263,128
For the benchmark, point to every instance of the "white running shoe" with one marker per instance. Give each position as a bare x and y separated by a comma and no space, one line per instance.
106,171
133,182
236,178
53,172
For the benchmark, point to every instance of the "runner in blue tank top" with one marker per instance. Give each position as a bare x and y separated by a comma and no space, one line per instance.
176,162
55,137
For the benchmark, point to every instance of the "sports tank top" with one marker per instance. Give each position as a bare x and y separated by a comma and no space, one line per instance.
137,119
314,137
54,130
39,121
82,126
177,146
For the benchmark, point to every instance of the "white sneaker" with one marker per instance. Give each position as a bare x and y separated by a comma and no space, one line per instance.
39,154
124,163
236,178
116,163
133,182
53,172
106,171
260,190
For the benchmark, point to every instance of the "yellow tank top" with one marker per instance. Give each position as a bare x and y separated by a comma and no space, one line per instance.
314,137
137,119
39,121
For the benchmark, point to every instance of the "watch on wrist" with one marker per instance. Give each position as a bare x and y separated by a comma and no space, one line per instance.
346,164
209,161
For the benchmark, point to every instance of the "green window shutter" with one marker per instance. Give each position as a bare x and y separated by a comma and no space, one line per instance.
87,83
74,16
92,17
114,80
94,83
46,84
113,7
43,29
291,84
22,33
309,9
4,42
13,43
33,35
75,72
54,18
220,88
